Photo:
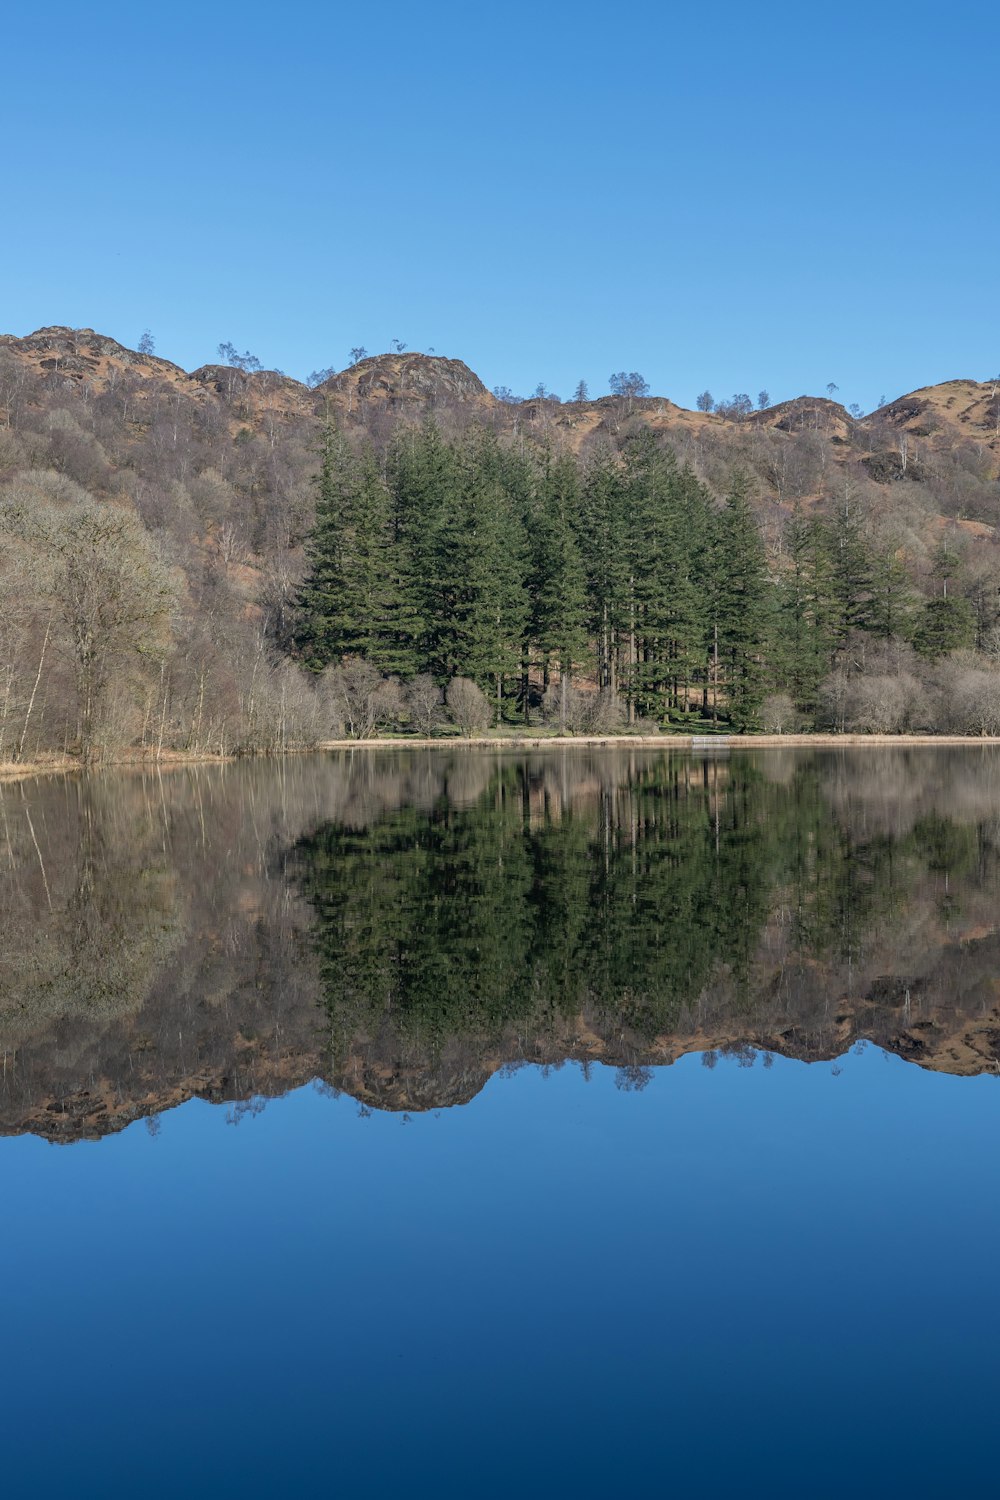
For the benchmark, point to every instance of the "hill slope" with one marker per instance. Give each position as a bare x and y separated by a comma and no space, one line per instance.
190,496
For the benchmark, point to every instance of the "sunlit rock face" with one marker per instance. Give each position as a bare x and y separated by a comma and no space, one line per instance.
404,925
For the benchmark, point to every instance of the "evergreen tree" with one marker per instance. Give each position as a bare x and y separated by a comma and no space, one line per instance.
944,624
668,513
426,485
492,608
352,601
604,542
803,612
557,582
892,596
740,605
851,580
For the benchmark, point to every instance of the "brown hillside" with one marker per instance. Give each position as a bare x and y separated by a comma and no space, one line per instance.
404,380
933,419
928,460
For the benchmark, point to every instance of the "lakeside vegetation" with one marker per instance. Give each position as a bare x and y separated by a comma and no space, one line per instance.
234,568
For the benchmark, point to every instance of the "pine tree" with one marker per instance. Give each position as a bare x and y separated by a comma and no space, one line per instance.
892,596
667,514
944,624
426,492
557,582
694,524
740,605
803,612
492,605
604,542
322,605
851,581
352,603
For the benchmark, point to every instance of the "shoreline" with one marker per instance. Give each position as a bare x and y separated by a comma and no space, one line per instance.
818,741
12,772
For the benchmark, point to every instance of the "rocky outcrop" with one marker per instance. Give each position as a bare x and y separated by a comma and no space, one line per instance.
408,380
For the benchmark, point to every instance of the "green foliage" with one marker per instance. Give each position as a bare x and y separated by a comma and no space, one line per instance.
944,624
852,585
740,605
354,601
803,621
471,558
558,584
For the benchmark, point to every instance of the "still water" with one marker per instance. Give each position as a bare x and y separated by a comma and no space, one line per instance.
456,1124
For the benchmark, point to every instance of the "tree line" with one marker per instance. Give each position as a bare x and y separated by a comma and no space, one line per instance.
595,589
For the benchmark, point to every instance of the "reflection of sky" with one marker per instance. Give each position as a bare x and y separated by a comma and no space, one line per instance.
737,1281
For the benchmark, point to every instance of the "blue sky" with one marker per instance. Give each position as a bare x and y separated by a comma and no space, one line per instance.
725,196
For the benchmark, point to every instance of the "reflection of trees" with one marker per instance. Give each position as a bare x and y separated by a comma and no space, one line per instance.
90,909
460,911
649,895
533,902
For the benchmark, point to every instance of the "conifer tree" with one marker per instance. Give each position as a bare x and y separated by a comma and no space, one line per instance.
851,582
324,619
694,523
604,541
892,596
352,602
740,605
803,612
492,611
557,583
426,486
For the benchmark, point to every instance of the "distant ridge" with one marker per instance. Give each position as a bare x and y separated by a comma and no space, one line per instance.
939,415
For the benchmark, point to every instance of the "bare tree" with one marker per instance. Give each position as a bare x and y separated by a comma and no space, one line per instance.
778,714
363,699
468,705
629,386
424,702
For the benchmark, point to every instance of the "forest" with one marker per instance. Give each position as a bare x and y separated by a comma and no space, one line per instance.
232,562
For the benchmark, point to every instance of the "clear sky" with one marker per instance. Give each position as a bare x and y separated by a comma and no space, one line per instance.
723,196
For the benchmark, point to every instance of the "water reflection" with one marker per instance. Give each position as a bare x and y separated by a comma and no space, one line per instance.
403,924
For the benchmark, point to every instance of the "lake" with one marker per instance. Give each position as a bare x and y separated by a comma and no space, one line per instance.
461,1123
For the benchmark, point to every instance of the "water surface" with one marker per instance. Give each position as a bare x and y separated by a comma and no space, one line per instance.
461,1123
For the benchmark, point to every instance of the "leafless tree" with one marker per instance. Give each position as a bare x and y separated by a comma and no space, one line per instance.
468,705
364,700
424,702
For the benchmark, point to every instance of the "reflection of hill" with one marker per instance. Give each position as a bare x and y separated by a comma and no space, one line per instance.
404,924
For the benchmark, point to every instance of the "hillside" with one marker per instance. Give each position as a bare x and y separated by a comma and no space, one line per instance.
938,416
211,476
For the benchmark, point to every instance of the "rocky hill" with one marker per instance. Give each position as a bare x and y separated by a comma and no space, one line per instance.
898,441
